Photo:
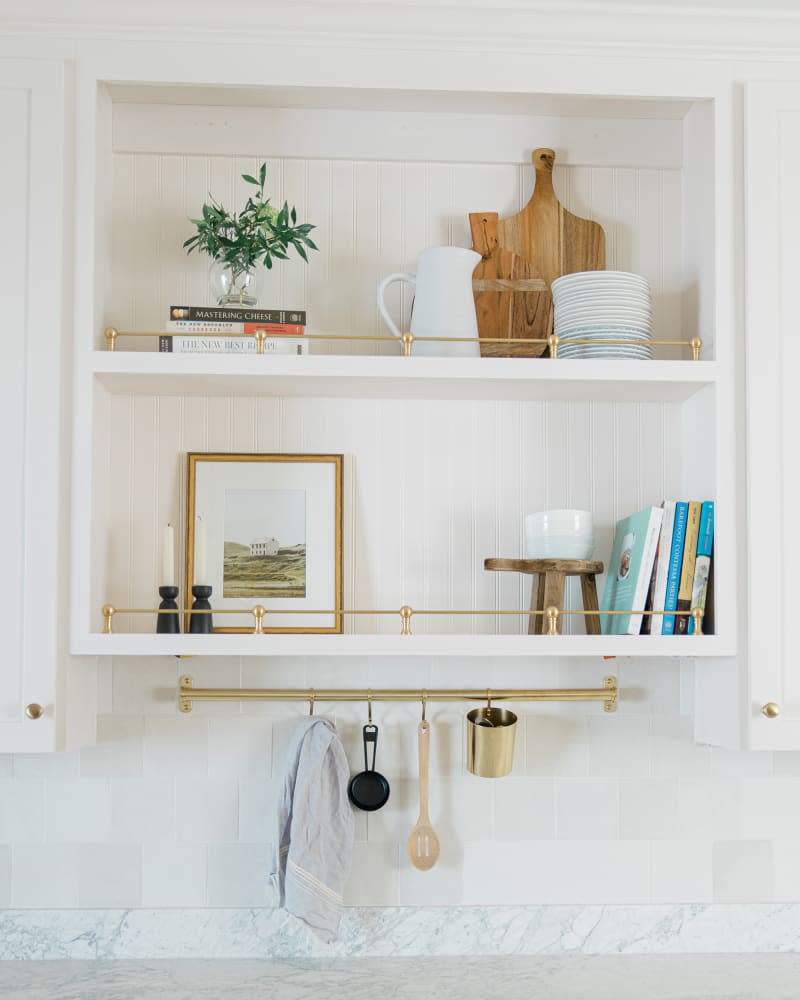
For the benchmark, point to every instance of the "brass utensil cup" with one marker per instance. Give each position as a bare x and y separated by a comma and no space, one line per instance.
490,741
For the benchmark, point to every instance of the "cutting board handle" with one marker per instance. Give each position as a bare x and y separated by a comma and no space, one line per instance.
388,280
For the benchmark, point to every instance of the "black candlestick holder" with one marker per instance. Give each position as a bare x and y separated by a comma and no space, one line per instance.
201,624
168,623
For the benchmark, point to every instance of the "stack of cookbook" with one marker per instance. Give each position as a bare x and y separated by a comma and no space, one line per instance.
660,562
220,330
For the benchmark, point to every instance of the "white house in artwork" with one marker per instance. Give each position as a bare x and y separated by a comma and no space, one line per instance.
264,547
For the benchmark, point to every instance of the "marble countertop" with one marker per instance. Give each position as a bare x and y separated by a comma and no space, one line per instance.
604,977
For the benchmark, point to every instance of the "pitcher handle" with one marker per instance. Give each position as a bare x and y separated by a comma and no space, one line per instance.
388,280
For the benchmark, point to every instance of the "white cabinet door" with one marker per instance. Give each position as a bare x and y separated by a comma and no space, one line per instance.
32,333
772,289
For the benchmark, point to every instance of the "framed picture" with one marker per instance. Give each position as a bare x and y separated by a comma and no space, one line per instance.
267,529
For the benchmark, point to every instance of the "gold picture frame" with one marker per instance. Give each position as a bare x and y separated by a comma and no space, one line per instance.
283,513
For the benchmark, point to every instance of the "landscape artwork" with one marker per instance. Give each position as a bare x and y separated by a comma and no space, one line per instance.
265,543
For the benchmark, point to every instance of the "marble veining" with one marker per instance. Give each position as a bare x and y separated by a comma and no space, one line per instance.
610,977
400,932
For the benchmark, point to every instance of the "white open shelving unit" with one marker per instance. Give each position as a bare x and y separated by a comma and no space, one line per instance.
443,457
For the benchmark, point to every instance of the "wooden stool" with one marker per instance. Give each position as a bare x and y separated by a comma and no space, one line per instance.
549,592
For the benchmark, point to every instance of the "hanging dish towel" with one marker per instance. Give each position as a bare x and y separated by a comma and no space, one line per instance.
314,842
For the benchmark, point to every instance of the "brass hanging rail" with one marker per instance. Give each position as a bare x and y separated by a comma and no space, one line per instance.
406,342
406,612
187,694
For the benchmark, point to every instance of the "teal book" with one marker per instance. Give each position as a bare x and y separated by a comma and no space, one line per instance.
629,571
674,569
702,565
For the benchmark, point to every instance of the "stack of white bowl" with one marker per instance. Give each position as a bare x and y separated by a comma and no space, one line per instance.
592,308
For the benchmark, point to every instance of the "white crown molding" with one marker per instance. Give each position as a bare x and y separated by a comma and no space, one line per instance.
676,30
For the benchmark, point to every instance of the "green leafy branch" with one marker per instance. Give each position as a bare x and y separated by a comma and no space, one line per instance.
259,234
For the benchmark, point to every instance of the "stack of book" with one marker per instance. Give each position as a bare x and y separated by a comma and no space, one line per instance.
217,330
661,562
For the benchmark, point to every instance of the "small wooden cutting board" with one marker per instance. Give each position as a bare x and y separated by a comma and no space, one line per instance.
511,300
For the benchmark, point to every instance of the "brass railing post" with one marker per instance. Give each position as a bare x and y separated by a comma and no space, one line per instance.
405,614
108,616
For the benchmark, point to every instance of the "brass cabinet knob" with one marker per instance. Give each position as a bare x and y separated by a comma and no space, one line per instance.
34,711
771,710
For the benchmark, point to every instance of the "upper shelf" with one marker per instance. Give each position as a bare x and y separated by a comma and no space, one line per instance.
351,376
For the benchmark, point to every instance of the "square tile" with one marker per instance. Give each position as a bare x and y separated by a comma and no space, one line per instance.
145,685
44,876
681,871
743,871
556,746
206,810
77,811
257,810
373,876
619,747
21,811
238,873
649,809
587,810
675,753
240,747
142,810
176,746
524,809
110,876
5,876
118,751
174,875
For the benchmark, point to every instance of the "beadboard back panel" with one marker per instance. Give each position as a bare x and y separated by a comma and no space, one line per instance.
431,488
374,215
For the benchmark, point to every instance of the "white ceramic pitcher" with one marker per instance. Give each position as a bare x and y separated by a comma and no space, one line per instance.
443,302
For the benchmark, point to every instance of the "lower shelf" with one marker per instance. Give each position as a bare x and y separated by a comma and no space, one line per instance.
147,644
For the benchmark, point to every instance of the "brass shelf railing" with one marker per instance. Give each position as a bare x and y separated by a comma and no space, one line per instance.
407,341
187,694
552,614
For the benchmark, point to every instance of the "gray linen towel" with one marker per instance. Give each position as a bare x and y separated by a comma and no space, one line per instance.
314,842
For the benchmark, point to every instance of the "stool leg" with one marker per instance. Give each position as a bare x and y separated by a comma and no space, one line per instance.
589,594
535,622
554,591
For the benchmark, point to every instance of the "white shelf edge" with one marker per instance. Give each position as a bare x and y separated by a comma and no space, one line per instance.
379,376
247,644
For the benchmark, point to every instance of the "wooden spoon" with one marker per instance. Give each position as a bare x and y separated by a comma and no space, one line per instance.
423,844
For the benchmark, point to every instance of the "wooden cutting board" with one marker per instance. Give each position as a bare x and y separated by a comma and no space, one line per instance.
543,241
511,300
551,239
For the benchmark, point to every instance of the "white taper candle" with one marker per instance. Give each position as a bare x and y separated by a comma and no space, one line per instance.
200,553
168,558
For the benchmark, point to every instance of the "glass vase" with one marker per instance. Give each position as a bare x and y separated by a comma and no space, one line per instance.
234,289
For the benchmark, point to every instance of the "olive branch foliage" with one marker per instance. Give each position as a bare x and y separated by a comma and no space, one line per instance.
260,233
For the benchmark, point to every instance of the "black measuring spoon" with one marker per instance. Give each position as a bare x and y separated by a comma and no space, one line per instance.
369,790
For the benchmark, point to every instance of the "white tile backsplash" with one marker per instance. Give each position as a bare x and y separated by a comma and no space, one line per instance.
178,811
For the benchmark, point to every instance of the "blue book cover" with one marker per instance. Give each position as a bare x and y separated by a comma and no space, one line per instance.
674,571
629,571
702,566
